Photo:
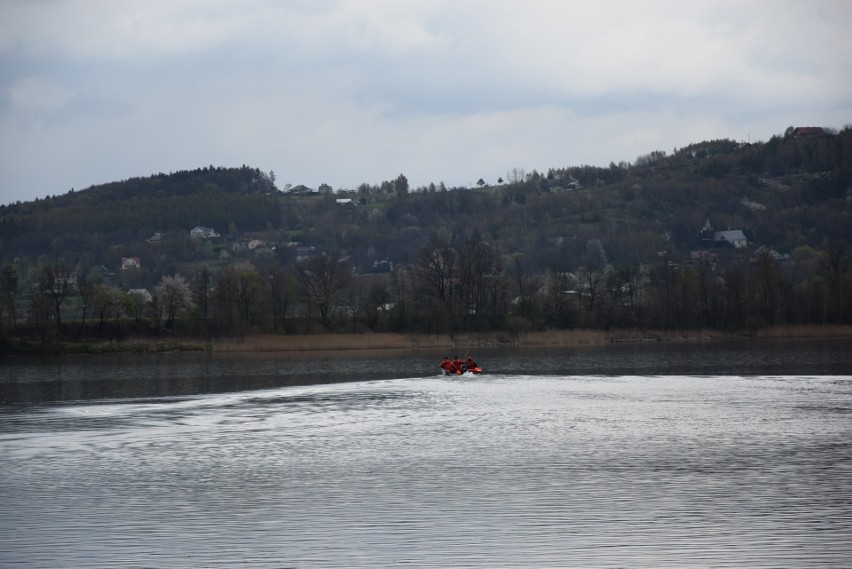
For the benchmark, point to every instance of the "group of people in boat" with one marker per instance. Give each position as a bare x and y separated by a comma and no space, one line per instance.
457,367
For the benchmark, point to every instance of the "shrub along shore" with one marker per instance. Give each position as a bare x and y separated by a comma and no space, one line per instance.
261,343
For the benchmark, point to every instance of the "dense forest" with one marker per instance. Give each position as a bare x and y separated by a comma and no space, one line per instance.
719,234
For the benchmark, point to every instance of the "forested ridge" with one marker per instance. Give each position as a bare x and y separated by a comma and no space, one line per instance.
647,243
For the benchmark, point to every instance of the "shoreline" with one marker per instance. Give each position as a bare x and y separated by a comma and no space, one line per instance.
268,343
391,341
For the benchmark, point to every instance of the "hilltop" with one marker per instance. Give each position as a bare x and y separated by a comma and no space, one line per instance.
788,192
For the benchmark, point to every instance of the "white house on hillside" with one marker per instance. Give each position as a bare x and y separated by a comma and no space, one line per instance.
141,293
203,233
735,237
130,263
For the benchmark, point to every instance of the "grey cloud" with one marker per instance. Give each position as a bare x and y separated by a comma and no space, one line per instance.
352,91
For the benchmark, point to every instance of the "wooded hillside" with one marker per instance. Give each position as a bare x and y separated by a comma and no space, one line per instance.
572,246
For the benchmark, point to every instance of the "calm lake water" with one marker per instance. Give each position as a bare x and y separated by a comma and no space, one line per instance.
701,455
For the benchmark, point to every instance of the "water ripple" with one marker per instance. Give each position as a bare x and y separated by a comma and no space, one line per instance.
503,470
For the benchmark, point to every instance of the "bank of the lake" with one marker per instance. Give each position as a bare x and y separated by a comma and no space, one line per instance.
259,343
316,342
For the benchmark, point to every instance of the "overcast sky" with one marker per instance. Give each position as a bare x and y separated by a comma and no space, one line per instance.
344,92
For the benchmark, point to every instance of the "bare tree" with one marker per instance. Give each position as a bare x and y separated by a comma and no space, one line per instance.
9,289
436,274
201,290
559,285
497,292
323,279
686,293
436,282
591,278
249,287
56,282
475,262
280,287
834,263
632,276
519,273
768,279
40,310
225,300
238,288
664,278
516,175
401,283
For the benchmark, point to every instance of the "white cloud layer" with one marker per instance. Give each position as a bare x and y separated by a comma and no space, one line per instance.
344,92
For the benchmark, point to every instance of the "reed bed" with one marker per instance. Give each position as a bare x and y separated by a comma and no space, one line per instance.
340,342
320,342
562,338
805,331
669,335
138,346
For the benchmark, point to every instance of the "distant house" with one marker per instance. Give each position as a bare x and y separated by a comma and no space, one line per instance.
734,237
128,263
302,189
155,238
345,201
203,233
141,293
806,131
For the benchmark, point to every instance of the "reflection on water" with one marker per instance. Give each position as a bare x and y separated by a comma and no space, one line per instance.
504,470
103,377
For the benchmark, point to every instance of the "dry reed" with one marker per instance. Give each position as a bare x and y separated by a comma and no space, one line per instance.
562,338
339,342
388,341
319,342
805,331
314,343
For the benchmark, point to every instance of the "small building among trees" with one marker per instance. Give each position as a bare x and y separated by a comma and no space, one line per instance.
735,237
203,233
128,263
